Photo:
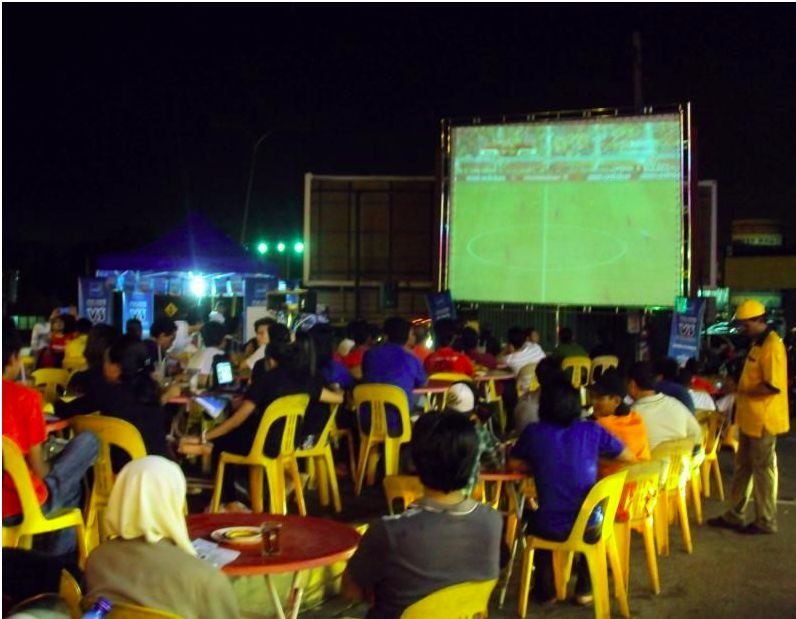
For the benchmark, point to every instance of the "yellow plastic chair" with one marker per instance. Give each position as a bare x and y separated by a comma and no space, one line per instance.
34,521
338,433
377,396
672,500
49,380
600,364
407,488
69,592
291,409
440,401
578,370
606,491
111,431
642,487
321,464
715,420
467,600
526,379
74,364
121,610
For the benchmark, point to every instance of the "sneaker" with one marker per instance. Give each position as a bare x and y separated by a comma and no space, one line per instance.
721,522
584,599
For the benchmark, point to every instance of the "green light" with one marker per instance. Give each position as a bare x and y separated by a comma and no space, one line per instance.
298,247
280,247
262,248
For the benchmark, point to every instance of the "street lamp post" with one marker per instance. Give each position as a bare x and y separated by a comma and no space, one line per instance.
249,185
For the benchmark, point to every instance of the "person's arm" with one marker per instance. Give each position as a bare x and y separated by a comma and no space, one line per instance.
329,396
626,456
365,567
237,419
352,590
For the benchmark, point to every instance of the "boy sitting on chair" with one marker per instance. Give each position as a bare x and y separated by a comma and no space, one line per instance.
443,539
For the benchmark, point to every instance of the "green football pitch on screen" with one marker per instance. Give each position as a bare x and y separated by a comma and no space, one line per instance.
581,213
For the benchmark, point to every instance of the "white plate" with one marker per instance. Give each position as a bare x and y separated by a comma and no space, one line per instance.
237,535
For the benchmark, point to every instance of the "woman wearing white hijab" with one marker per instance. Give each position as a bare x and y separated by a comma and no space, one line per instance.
149,559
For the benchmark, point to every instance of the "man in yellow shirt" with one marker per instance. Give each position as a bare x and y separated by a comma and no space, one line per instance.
761,412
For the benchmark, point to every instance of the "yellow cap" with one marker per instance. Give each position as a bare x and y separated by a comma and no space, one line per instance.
750,309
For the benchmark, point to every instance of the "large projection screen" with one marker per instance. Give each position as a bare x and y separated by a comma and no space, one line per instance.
582,212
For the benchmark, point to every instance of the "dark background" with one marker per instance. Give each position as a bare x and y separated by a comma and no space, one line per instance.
119,119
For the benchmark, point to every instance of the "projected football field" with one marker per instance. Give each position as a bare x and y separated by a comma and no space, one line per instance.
584,213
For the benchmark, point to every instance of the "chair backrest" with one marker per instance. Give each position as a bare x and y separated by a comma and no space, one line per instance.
715,423
463,601
600,364
451,377
641,489
577,369
326,434
404,487
74,364
17,468
291,408
377,396
607,492
48,380
526,379
70,593
678,455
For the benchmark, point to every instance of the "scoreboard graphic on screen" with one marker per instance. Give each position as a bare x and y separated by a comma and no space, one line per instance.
576,212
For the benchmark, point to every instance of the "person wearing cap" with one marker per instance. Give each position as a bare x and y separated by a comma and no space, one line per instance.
462,399
610,411
761,412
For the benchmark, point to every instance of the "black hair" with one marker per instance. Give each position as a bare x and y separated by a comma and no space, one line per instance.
264,322
444,448
291,356
444,331
134,327
323,336
83,325
559,402
70,323
517,337
529,331
100,338
359,331
213,333
131,355
492,346
469,338
308,356
667,367
397,330
278,333
548,369
565,335
642,374
12,343
693,366
684,377
162,326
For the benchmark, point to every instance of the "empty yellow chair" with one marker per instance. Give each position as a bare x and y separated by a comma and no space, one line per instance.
606,491
111,431
600,364
51,382
34,521
642,487
376,397
407,488
710,464
466,600
674,483
578,370
291,409
321,458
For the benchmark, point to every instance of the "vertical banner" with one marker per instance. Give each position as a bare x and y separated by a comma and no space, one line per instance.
139,304
95,300
440,305
255,302
687,323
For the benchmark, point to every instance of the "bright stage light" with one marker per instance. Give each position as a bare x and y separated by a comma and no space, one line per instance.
262,248
280,247
198,285
298,247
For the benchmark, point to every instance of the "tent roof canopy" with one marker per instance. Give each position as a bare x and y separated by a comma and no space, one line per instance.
196,245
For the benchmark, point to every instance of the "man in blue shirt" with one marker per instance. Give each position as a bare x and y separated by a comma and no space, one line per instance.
391,363
666,371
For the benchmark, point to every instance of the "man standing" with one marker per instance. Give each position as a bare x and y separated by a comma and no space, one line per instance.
761,412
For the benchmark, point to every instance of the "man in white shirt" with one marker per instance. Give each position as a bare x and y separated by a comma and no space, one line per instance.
186,329
521,351
665,417
213,334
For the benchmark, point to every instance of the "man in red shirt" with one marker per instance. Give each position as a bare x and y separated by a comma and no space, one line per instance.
57,484
444,358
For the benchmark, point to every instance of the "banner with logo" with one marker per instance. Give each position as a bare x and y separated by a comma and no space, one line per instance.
139,304
440,305
95,300
687,324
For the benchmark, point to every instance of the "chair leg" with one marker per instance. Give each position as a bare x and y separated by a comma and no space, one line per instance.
352,461
216,500
562,571
652,559
622,536
82,548
662,524
598,570
704,471
256,488
696,495
331,477
312,479
373,465
717,473
684,526
525,580
620,584
364,448
321,478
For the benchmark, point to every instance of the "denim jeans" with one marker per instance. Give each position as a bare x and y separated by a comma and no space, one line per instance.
65,488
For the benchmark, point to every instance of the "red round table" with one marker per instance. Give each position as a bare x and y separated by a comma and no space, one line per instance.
305,542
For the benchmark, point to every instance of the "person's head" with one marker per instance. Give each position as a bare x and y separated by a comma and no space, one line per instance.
359,331
516,337
213,334
565,335
70,323
444,448
608,393
420,330
323,337
462,398
57,324
194,318
82,326
751,317
641,380
532,335
667,369
492,346
147,503
559,402
261,328
125,359
397,330
100,338
469,339
290,356
279,333
163,330
548,369
307,353
222,307
12,344
444,332
134,328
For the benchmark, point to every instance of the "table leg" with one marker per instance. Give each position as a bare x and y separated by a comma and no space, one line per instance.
296,593
519,503
280,613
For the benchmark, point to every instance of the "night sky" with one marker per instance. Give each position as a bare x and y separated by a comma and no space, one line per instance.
119,119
